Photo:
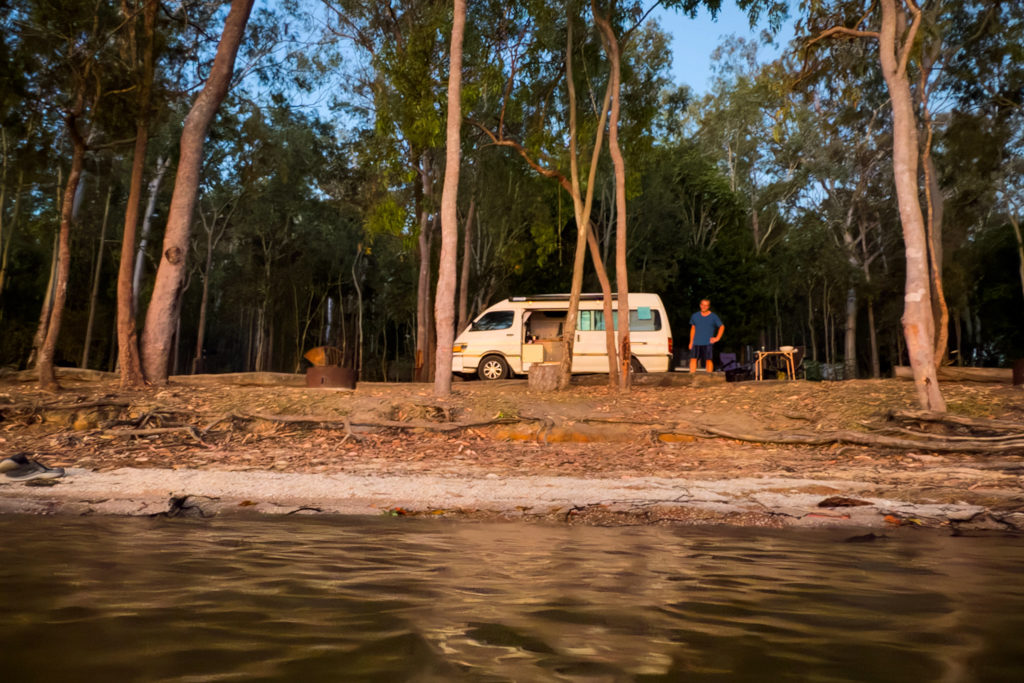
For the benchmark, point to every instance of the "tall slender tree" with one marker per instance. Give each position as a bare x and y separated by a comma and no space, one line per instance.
165,305
894,29
444,302
141,50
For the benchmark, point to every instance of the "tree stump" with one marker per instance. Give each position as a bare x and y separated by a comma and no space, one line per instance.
544,376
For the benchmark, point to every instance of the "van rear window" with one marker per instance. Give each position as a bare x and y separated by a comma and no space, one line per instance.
495,320
643,320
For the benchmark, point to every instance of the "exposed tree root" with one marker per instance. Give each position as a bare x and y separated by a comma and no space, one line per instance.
926,442
959,420
156,431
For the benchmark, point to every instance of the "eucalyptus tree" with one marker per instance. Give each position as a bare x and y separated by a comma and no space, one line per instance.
70,47
445,301
893,26
532,108
140,47
748,123
165,305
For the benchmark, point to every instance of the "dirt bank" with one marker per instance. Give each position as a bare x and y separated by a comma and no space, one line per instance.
266,444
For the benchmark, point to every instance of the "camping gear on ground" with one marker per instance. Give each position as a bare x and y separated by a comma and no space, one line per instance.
327,370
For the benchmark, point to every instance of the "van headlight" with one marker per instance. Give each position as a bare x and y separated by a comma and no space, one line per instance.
458,348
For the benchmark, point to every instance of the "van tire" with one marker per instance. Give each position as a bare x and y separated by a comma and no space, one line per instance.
635,365
493,367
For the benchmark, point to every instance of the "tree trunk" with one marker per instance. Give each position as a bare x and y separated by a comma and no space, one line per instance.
162,164
44,313
9,237
47,378
876,369
197,361
850,338
165,305
810,324
958,330
424,245
129,278
444,302
606,301
581,211
467,260
918,324
1015,222
934,202
358,355
94,294
621,271
127,335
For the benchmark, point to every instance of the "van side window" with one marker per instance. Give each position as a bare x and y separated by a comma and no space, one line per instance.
647,320
495,320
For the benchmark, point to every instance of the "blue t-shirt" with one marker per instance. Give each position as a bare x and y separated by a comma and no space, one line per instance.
705,327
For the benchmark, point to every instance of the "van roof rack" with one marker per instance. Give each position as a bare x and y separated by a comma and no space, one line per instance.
587,296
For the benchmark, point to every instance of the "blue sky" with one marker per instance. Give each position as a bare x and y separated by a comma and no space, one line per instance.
693,41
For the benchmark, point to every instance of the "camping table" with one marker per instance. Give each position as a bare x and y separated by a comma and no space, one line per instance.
760,356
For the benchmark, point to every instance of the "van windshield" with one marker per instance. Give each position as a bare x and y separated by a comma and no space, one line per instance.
495,320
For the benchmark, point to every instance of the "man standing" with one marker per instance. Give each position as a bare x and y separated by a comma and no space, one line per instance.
705,330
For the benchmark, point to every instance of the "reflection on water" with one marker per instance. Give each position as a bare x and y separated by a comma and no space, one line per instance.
103,599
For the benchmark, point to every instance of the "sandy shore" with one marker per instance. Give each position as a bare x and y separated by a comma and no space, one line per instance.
761,501
495,450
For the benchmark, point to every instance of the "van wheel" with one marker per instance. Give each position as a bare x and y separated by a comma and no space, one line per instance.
635,365
493,367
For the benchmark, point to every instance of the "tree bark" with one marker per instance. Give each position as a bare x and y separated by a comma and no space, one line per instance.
424,243
444,302
162,164
94,294
44,313
127,280
9,237
44,366
581,211
876,368
918,323
850,337
1015,222
606,302
467,260
619,163
165,305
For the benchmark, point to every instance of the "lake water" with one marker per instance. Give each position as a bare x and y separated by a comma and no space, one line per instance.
382,599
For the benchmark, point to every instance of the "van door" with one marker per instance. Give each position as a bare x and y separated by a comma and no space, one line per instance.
589,353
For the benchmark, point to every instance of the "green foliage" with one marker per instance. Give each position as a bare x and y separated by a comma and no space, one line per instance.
742,195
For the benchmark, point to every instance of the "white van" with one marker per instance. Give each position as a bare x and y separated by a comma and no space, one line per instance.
513,334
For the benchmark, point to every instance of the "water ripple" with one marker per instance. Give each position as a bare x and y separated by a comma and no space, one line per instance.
426,600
